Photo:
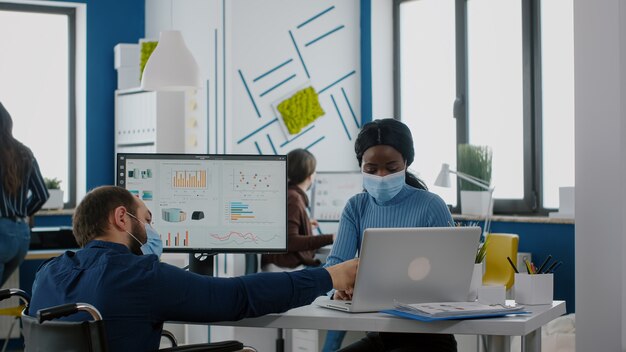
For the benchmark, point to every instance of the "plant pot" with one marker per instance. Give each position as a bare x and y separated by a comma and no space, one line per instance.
475,203
477,281
55,201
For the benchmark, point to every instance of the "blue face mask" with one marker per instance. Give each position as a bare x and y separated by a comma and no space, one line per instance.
384,188
154,244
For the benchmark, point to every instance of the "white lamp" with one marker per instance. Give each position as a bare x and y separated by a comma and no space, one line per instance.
171,65
443,180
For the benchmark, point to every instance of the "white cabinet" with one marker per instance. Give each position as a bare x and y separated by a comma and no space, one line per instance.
304,340
149,122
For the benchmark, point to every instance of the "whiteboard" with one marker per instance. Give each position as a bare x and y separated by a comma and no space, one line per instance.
331,191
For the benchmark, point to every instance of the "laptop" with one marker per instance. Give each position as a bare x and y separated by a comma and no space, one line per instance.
411,265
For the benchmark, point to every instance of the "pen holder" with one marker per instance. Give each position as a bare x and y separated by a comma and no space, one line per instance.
495,294
534,289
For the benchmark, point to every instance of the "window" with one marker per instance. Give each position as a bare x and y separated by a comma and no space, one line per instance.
428,57
37,85
512,68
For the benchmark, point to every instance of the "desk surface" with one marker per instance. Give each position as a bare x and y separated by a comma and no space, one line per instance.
46,253
314,317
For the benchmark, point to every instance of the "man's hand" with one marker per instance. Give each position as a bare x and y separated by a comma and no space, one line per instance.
343,295
344,274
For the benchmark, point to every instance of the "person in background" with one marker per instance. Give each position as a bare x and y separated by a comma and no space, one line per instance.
22,193
136,293
301,243
393,197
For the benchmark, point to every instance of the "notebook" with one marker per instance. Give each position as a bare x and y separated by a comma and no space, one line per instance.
417,265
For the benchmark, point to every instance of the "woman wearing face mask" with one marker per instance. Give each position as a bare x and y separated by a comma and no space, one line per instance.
301,244
393,197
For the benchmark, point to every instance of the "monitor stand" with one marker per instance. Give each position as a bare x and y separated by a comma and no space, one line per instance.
202,263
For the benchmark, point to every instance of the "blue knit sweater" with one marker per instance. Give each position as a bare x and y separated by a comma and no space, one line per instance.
411,207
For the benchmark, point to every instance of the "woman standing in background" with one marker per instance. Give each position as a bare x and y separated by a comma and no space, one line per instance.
301,243
22,193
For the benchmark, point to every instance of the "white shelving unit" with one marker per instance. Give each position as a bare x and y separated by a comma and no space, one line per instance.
149,122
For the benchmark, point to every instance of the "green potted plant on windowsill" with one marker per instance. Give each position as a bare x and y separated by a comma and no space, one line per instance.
475,160
56,194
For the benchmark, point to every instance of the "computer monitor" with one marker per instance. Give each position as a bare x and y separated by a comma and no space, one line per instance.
331,191
211,203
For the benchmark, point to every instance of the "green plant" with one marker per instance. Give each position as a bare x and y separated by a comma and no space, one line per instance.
146,50
482,251
52,183
484,241
474,160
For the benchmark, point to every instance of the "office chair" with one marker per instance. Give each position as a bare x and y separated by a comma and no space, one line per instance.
498,271
43,333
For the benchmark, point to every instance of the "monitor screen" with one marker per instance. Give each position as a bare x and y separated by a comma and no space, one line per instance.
331,191
211,203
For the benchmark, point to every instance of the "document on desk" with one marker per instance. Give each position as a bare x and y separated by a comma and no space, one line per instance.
452,310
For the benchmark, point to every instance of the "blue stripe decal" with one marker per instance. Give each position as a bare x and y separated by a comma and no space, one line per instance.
314,143
256,131
314,17
337,81
249,94
272,70
299,55
350,106
324,35
258,149
224,67
366,60
278,85
298,136
216,90
341,117
272,144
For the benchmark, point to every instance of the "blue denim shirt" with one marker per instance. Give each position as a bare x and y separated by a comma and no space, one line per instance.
136,294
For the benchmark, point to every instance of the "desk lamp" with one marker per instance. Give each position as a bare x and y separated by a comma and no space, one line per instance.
443,180
171,65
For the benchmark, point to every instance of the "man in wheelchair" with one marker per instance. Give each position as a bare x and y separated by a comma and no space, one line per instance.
136,293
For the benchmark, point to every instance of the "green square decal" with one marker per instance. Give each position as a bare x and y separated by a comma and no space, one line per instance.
300,110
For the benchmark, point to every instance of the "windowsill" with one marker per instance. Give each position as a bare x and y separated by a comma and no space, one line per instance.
55,212
515,218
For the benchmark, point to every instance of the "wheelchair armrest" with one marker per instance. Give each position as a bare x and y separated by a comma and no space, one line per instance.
10,292
64,310
223,346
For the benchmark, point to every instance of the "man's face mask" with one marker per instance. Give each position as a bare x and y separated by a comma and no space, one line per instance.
153,244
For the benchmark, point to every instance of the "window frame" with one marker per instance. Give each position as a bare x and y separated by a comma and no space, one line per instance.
531,203
70,12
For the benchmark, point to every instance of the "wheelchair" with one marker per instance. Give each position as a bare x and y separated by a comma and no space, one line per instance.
44,333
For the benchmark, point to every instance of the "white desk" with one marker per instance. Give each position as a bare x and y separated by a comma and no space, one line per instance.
498,329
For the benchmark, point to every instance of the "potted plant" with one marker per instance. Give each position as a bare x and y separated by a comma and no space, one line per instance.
475,160
479,263
56,194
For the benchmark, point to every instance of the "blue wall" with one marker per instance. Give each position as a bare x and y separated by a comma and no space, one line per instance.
109,22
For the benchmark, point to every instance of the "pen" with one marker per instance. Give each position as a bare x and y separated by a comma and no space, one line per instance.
513,265
556,267
527,266
544,263
552,267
